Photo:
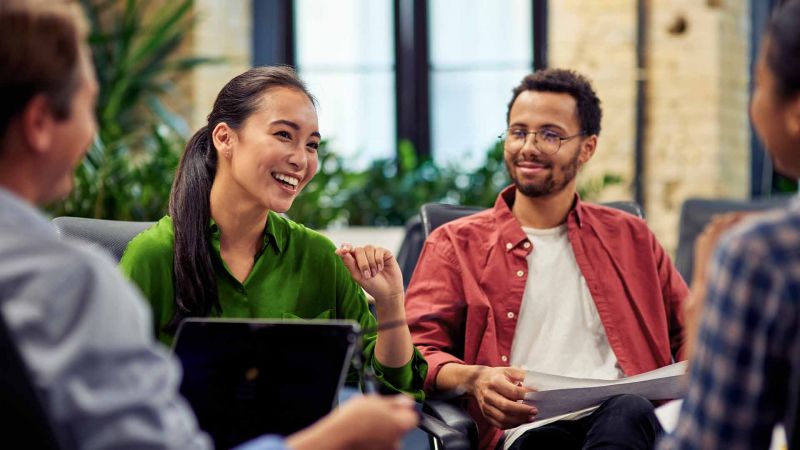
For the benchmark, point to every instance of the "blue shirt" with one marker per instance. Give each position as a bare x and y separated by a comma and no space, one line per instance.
86,338
745,374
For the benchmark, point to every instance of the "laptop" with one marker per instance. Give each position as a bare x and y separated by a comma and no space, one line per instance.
246,378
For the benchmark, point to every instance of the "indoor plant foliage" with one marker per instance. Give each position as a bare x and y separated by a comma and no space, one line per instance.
128,171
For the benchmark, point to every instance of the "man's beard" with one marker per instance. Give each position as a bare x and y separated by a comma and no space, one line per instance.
549,185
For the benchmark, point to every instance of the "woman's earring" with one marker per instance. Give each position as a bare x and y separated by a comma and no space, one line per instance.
228,154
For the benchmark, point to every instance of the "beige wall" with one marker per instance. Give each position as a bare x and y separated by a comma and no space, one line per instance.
224,31
598,39
696,126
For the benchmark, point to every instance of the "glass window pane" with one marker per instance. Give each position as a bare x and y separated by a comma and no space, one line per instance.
344,33
479,51
469,112
477,32
345,52
356,113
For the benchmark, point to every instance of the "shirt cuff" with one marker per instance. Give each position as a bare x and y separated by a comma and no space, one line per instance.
408,378
437,360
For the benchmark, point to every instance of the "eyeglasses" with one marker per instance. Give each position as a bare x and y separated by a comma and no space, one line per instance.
546,141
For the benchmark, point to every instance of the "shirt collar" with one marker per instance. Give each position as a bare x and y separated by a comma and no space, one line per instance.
577,211
509,227
274,233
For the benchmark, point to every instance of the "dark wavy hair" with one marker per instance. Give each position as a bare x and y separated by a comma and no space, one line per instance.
568,82
783,47
196,293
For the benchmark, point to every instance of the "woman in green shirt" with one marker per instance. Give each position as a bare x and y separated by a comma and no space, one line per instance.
224,250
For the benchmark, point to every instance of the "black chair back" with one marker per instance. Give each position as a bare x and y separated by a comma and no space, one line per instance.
436,214
410,248
697,213
631,208
111,235
25,423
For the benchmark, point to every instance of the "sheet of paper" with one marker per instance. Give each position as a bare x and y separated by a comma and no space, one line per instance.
668,414
558,395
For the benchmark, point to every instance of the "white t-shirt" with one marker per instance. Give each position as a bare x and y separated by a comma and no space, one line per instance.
558,329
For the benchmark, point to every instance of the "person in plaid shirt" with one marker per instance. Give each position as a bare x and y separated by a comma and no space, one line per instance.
745,370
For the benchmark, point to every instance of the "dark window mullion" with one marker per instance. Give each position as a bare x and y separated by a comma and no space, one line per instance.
539,33
273,32
411,73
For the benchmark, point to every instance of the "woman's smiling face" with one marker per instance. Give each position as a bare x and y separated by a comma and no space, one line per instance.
274,154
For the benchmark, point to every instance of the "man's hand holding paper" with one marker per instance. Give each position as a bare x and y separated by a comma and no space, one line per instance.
500,394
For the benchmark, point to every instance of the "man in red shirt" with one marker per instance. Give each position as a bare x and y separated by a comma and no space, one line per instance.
545,282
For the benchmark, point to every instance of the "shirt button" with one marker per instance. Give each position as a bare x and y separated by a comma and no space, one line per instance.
510,315
527,245
504,358
520,273
509,245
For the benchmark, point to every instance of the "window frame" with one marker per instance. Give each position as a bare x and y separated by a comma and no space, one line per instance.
274,43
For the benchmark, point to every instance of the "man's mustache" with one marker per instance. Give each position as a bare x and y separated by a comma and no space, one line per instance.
535,160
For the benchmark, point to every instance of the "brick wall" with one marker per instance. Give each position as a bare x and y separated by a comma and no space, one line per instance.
597,39
696,125
224,30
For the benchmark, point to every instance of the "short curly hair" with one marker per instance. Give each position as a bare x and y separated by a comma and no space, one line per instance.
569,82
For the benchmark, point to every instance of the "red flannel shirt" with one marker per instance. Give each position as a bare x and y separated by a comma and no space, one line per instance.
464,297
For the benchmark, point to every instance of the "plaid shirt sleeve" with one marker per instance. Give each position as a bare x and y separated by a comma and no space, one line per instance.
739,373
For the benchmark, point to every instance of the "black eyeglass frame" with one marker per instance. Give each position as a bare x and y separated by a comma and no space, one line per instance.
504,137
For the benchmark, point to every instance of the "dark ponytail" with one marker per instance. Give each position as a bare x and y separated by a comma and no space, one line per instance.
783,47
190,209
196,293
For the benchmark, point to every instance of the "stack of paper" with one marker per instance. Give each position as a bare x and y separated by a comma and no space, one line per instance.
556,395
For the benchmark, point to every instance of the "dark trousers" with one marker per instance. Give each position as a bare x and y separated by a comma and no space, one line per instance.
622,422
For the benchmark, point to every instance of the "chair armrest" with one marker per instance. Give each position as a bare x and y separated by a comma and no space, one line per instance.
452,413
447,437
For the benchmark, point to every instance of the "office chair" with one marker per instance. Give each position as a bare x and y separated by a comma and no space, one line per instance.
111,235
697,213
410,248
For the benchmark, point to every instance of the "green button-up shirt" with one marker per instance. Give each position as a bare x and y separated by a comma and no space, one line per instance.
296,275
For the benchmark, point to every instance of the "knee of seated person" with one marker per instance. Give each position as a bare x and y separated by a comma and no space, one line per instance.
632,406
